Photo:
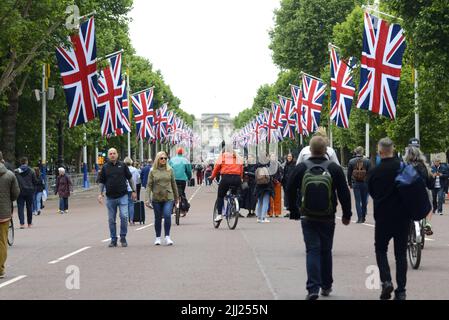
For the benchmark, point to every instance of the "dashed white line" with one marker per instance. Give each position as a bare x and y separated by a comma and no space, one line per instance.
68,255
106,240
141,228
194,194
428,239
4,284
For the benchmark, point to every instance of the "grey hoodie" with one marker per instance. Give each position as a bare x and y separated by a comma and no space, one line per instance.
9,192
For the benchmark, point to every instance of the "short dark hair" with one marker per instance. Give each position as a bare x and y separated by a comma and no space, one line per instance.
386,144
318,145
23,160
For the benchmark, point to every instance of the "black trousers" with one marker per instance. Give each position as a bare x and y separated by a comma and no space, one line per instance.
138,187
227,181
181,187
384,232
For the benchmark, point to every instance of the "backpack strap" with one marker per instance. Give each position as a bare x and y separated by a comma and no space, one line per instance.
324,165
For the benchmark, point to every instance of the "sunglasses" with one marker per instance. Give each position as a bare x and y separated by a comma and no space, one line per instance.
163,158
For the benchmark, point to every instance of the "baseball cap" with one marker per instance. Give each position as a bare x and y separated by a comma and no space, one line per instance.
179,151
414,142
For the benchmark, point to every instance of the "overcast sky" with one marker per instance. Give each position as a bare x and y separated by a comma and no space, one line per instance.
213,53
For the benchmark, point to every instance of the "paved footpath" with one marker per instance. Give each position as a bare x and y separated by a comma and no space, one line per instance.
255,261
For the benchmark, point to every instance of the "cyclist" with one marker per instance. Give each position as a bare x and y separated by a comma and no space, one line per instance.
230,167
183,172
414,156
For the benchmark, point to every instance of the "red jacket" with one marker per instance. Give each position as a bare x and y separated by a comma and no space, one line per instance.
228,163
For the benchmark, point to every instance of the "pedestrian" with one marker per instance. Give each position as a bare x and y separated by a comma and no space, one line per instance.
330,153
199,173
318,180
248,196
40,187
357,170
27,183
390,220
135,176
113,178
276,177
9,192
264,190
441,174
289,166
207,174
63,188
163,191
182,169
144,173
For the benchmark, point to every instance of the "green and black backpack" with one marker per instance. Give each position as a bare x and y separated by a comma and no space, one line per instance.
316,190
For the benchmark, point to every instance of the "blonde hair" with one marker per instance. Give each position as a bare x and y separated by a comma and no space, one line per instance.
156,160
128,161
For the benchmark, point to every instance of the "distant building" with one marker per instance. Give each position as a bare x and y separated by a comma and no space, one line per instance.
215,128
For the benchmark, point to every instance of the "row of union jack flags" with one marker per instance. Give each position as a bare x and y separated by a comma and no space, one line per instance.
380,65
88,94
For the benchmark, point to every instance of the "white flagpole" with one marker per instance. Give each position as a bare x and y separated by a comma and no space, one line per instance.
129,112
416,106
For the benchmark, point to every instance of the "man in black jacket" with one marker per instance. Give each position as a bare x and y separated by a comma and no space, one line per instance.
27,183
357,169
390,220
318,231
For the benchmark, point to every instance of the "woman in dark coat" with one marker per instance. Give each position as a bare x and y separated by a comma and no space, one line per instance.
289,165
248,198
63,188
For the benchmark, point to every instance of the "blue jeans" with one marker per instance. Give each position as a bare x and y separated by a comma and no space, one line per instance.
63,204
438,204
112,205
361,198
318,237
130,207
164,209
37,201
263,204
21,202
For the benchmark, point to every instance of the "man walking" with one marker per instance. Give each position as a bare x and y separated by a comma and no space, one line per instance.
440,174
390,220
357,169
318,179
183,171
113,177
9,192
27,182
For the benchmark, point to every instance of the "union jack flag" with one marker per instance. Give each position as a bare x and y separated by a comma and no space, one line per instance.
342,89
161,122
288,118
273,134
125,112
312,99
297,110
144,114
261,128
78,66
110,95
381,63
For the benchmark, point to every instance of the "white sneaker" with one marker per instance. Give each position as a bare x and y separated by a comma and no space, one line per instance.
168,241
218,218
259,220
265,220
441,213
157,242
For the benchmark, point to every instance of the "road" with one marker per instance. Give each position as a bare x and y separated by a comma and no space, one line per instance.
255,261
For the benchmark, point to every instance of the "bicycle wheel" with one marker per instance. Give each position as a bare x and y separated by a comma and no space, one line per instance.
216,223
11,233
232,215
413,248
423,233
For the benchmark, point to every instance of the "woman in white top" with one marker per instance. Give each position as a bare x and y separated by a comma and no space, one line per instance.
306,153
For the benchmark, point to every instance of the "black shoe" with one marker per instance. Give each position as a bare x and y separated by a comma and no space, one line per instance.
387,289
113,244
123,242
312,296
359,221
287,215
326,292
400,295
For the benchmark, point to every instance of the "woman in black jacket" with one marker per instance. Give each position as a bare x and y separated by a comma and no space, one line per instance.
38,192
289,165
248,198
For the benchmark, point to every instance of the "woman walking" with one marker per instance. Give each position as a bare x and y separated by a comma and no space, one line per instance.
289,165
264,191
162,189
40,187
63,188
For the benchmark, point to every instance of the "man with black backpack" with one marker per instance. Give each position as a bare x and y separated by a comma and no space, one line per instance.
27,183
357,169
318,181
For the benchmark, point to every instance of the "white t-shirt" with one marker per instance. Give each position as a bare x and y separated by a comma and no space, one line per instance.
135,176
306,154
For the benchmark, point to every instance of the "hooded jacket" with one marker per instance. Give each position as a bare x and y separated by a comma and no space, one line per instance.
27,180
9,192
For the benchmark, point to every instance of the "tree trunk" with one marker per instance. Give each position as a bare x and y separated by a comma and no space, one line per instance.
9,121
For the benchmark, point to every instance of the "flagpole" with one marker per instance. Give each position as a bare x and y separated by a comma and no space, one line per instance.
416,105
110,55
134,93
141,150
85,180
309,75
129,112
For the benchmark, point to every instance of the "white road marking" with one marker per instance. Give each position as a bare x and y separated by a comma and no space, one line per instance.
141,228
194,194
69,255
4,284
428,239
367,224
106,240
259,264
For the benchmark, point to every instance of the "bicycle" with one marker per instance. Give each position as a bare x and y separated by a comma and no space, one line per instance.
11,233
415,242
231,211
